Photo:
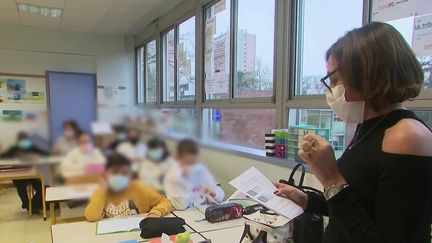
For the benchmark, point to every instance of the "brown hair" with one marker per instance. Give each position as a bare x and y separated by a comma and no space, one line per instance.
187,146
376,61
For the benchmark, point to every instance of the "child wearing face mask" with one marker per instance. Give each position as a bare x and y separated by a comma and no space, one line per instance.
82,160
158,161
68,141
188,182
22,150
120,137
133,149
120,195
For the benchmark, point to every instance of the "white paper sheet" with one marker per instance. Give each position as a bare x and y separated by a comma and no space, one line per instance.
422,40
118,225
253,183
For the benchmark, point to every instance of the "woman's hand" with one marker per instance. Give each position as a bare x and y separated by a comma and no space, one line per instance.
319,155
296,195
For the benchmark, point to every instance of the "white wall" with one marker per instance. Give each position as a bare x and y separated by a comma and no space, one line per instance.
31,50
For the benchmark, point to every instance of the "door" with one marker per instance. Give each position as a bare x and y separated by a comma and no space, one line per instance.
71,96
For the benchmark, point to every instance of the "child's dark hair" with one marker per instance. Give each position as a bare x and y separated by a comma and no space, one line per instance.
187,146
155,143
116,160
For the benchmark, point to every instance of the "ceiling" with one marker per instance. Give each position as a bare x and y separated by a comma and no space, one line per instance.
93,16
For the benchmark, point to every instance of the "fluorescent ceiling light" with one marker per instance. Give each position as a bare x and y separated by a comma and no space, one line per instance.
35,9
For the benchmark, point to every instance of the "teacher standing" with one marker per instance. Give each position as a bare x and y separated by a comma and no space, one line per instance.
380,190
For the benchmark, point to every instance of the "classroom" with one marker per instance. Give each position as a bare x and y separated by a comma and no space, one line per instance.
216,121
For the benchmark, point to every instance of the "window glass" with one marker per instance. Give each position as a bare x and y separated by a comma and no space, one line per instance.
168,66
426,116
186,60
244,127
255,48
217,50
139,74
322,122
173,121
405,27
321,24
150,71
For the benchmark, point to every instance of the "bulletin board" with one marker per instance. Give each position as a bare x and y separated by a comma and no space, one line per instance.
23,106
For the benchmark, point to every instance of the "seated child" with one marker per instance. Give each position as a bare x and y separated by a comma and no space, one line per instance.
119,195
25,149
188,182
158,161
82,160
133,148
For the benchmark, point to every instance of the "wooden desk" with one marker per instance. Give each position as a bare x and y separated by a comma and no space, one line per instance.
84,232
196,220
67,193
230,235
26,175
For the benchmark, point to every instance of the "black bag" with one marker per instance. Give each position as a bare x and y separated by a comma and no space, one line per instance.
308,227
155,227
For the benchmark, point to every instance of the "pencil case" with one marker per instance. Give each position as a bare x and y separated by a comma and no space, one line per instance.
223,212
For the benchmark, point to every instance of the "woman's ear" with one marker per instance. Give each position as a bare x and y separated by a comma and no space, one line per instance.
352,94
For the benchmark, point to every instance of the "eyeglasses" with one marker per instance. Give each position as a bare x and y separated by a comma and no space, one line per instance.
325,78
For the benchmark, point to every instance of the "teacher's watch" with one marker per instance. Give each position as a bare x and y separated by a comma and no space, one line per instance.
333,190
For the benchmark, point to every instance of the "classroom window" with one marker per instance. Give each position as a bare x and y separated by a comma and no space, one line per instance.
178,61
321,23
217,50
186,60
425,115
171,121
168,66
322,122
414,25
139,75
244,127
150,72
255,48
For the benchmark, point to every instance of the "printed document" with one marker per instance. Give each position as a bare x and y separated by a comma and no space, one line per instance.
258,187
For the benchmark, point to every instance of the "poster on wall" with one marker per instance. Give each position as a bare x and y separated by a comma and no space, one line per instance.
16,90
422,40
387,10
111,96
35,97
12,115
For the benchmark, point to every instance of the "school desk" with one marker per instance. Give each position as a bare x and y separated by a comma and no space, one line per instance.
196,220
27,175
66,193
84,232
225,235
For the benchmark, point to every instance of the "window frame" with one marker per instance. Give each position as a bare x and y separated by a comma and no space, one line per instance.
176,103
233,59
139,100
145,43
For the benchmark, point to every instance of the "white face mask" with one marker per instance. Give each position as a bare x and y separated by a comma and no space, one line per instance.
352,112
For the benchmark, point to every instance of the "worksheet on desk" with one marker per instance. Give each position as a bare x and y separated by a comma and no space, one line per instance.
258,187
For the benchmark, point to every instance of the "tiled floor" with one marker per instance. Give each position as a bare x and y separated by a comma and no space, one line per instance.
16,226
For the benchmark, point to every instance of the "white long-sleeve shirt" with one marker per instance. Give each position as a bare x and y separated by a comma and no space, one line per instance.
187,188
152,172
131,151
75,162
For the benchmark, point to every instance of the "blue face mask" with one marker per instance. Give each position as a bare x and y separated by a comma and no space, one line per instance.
24,144
155,154
122,136
118,183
